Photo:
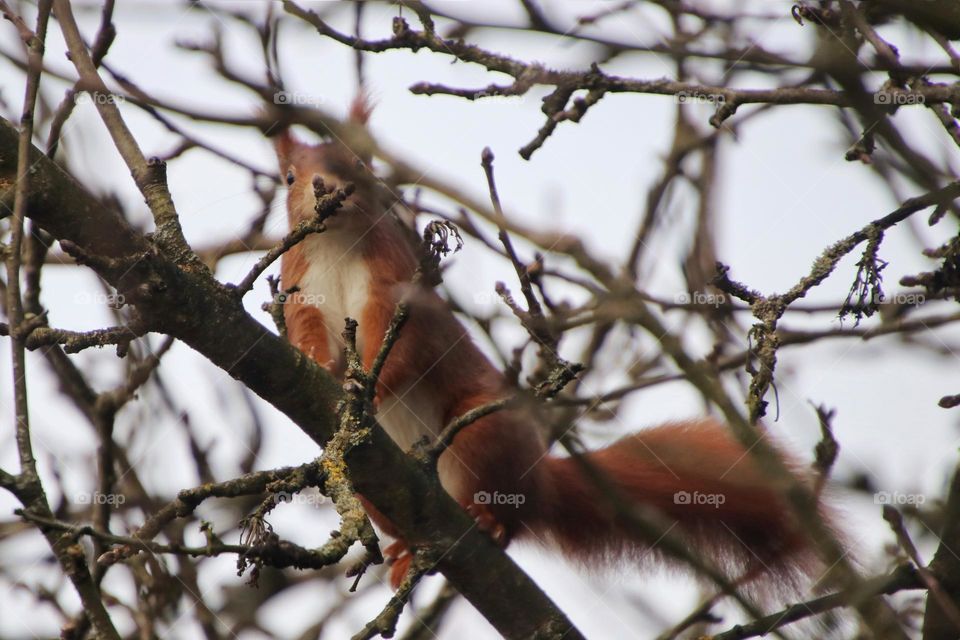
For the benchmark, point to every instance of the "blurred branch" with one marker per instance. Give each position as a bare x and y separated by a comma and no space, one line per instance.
27,486
168,289
935,590
594,81
903,578
150,176
938,623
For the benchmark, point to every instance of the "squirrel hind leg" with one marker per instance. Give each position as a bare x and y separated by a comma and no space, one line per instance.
400,558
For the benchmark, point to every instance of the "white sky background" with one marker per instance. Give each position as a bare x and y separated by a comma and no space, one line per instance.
786,193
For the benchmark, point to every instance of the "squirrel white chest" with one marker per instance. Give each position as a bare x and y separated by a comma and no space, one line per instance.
337,282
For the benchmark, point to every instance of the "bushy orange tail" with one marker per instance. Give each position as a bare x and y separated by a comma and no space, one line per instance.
709,490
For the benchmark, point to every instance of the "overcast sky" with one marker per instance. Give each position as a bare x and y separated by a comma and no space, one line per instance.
786,193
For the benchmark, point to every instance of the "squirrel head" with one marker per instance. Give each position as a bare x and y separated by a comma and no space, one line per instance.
307,169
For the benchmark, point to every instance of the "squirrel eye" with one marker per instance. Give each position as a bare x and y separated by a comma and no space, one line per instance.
290,176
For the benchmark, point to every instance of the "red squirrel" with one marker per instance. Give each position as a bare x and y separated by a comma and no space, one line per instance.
694,473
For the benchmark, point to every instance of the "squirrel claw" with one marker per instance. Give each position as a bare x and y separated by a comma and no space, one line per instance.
488,523
399,558
394,550
399,569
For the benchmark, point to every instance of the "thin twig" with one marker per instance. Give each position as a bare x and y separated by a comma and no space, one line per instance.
327,205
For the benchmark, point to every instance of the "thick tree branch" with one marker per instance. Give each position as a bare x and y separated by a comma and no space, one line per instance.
206,315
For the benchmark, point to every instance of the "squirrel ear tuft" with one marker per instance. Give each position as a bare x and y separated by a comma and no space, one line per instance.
284,142
361,107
